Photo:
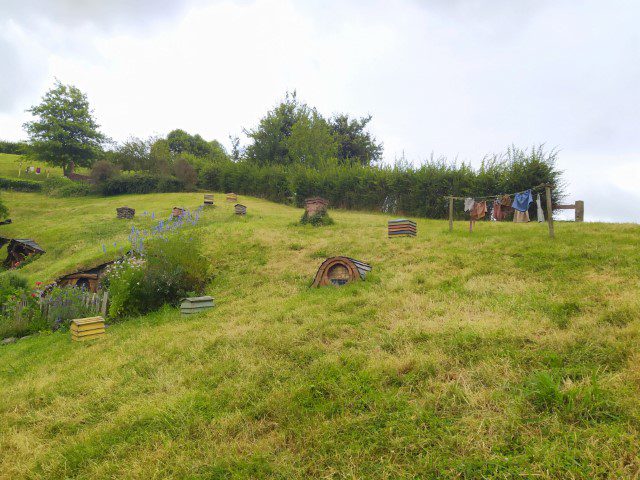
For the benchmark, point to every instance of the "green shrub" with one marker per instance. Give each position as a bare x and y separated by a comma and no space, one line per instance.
170,268
140,183
65,304
77,189
15,148
16,320
20,185
11,285
318,219
103,170
124,280
4,211
64,187
53,184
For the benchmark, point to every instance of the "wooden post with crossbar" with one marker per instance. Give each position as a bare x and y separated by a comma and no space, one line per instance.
547,188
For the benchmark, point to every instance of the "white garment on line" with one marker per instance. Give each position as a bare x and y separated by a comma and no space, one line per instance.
468,204
540,211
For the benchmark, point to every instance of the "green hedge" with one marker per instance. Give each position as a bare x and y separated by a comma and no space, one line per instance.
140,183
20,185
14,148
402,189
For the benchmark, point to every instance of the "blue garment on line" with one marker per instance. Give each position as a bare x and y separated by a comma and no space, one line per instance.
521,201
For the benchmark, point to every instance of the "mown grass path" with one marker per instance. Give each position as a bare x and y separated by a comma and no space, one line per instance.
493,355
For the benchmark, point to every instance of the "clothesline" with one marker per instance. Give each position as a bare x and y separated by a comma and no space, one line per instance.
488,197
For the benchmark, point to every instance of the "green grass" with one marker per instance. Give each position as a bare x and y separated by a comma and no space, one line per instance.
497,354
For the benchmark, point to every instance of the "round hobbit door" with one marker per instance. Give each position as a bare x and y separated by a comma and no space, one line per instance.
338,274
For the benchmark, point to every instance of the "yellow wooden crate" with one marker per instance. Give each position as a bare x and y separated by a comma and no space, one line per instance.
87,328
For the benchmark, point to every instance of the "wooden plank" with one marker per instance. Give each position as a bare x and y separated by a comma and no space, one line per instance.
105,303
88,337
564,207
86,328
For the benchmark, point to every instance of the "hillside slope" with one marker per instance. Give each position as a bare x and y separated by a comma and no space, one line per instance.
494,354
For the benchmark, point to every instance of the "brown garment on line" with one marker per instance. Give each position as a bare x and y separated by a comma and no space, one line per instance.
506,201
497,211
479,210
520,217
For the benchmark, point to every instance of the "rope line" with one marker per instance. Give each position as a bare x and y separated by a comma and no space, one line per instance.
489,197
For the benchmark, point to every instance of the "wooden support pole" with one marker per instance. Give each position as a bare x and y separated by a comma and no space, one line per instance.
451,214
547,188
579,211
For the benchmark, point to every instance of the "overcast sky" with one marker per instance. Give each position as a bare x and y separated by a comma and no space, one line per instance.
458,78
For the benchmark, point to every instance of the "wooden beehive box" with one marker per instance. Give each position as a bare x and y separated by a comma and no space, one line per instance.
402,228
240,209
208,199
315,205
196,304
125,212
177,211
87,328
232,197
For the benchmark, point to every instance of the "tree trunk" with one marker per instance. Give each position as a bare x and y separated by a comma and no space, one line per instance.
68,169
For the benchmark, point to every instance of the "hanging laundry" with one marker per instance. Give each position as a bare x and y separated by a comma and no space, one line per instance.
479,210
521,201
505,201
520,217
498,214
540,211
468,204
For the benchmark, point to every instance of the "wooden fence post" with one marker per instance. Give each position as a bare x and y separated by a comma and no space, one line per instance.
579,211
105,302
547,188
451,214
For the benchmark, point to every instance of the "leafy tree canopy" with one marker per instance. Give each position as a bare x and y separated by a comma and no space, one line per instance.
311,141
355,144
182,142
294,133
269,138
64,132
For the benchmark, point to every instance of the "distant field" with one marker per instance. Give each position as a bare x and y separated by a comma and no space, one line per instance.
497,354
14,166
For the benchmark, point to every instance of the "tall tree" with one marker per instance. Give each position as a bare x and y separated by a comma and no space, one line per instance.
311,140
269,138
64,133
355,144
182,142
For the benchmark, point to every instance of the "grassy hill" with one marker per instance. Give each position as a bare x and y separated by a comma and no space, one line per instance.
14,166
496,354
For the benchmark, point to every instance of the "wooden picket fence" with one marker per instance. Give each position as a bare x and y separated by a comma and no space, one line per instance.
91,303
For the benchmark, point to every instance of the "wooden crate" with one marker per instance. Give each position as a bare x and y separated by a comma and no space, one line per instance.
208,199
87,328
125,212
232,197
196,304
